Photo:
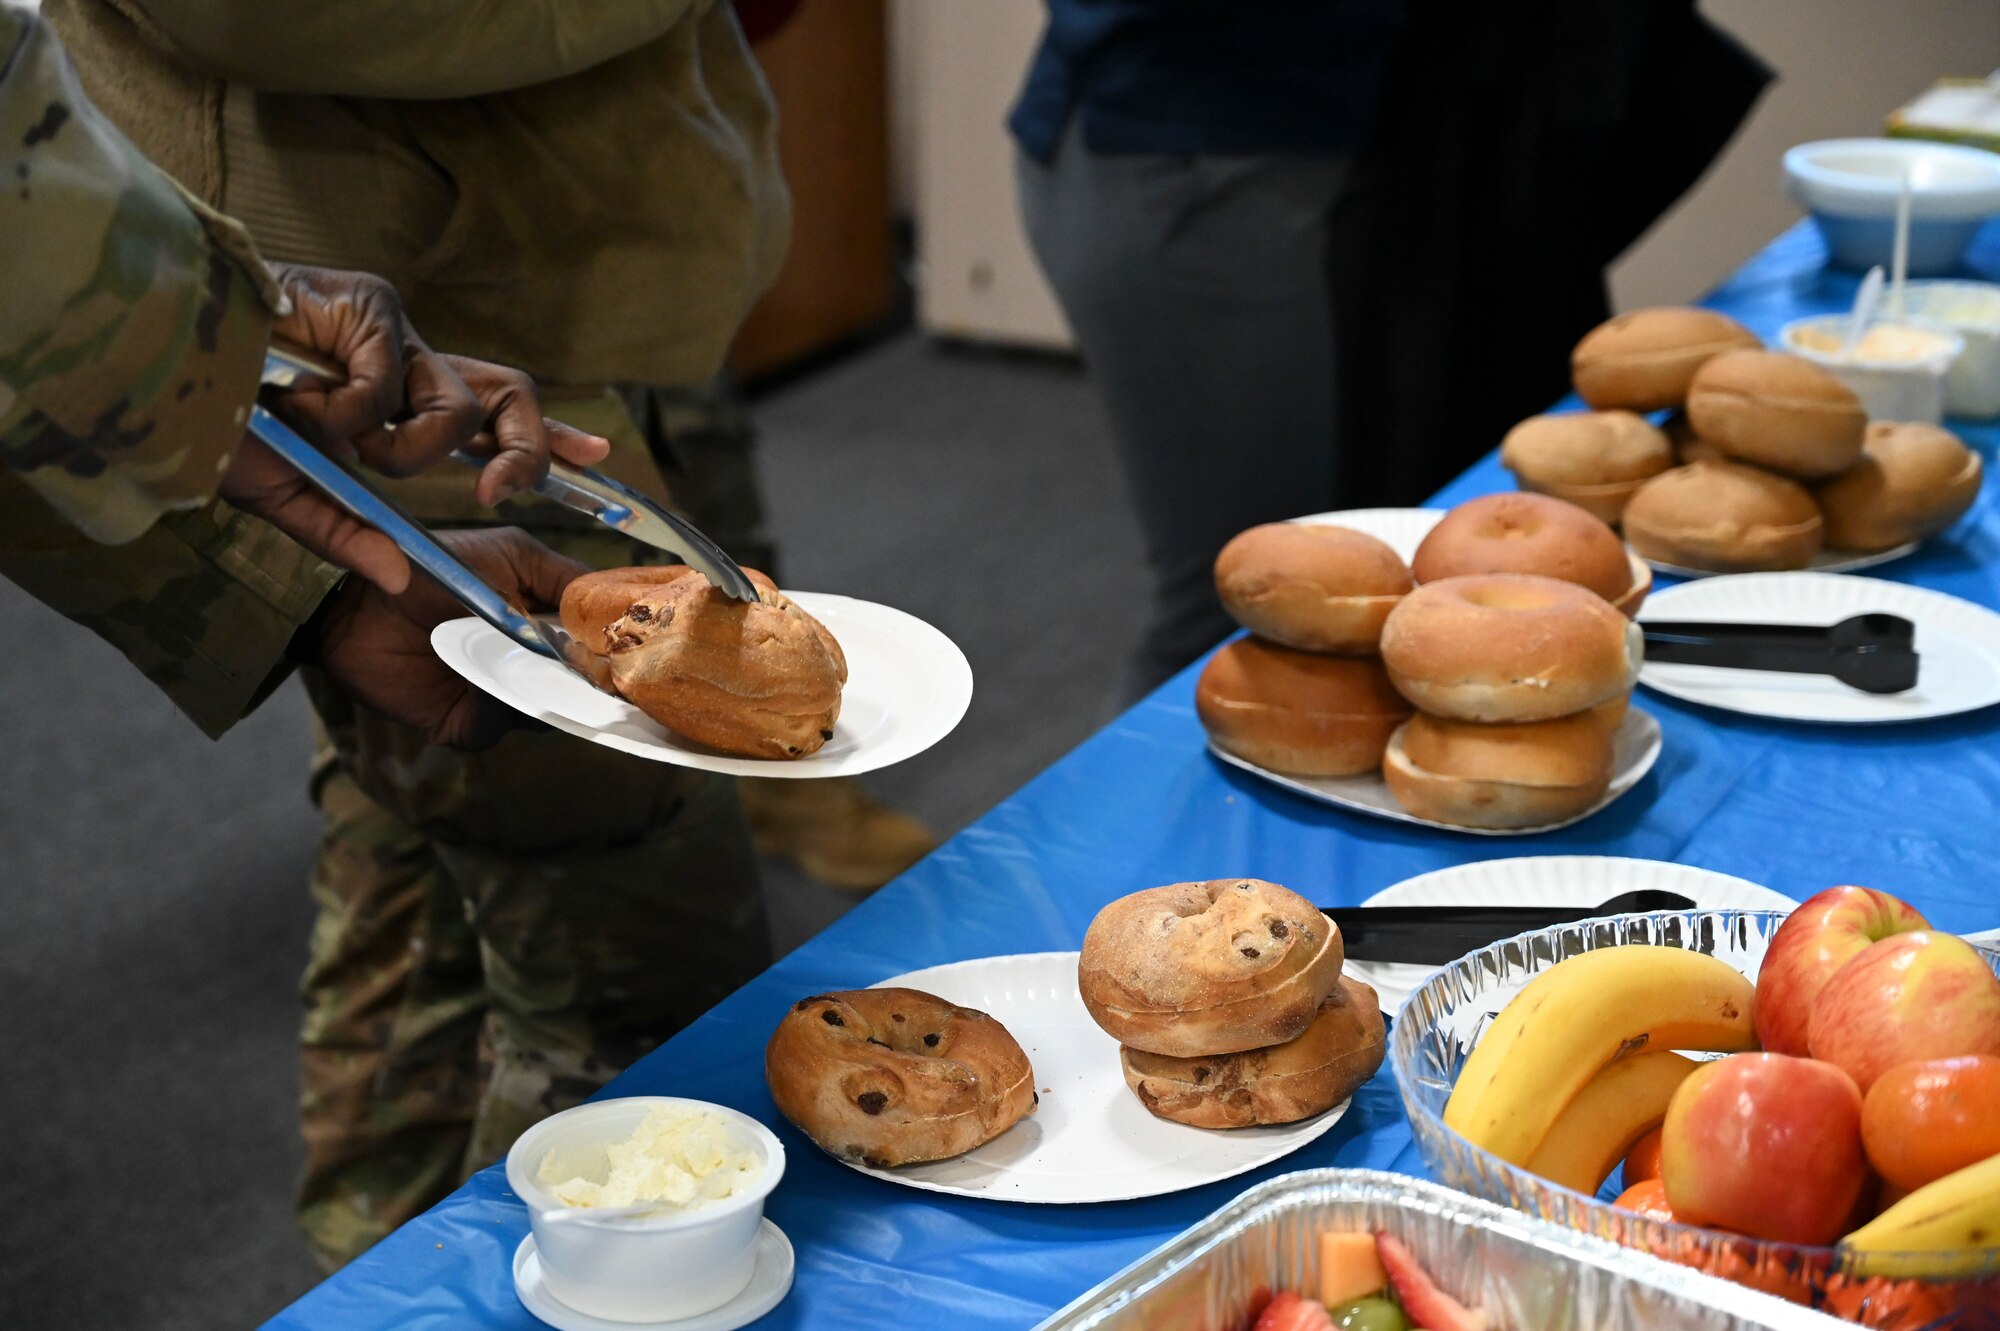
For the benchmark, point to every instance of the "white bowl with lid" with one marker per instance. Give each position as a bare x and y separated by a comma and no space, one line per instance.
1851,186
656,1268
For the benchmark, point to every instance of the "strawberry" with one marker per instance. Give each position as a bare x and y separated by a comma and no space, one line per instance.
1423,1302
1289,1312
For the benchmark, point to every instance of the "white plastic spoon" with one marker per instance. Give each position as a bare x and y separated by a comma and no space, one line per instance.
1865,301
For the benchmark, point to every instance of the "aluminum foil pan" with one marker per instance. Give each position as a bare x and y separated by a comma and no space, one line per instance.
1530,1275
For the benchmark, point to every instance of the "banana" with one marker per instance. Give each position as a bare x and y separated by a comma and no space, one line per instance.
1949,1227
1621,1104
1577,1016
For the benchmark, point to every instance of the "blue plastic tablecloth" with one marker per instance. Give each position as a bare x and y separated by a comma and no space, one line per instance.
1910,808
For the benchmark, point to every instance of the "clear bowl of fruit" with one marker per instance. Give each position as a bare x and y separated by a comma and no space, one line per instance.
1532,1069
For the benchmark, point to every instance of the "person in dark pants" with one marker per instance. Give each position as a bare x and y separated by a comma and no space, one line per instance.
1322,253
1178,171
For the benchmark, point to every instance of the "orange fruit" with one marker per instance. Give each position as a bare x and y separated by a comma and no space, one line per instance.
1648,1198
1643,1160
1924,1120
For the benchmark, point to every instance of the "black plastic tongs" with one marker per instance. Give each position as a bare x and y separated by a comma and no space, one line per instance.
1872,653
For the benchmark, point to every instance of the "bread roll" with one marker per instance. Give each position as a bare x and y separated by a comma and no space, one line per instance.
1725,518
894,1076
1594,459
1508,647
760,680
1298,712
1527,774
1208,968
1528,533
1282,1084
1321,589
594,601
1777,411
1644,360
1913,481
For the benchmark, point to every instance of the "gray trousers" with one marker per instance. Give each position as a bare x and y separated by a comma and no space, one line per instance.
1198,289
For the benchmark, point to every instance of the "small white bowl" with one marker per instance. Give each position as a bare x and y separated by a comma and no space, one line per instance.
1890,390
650,1269
1850,187
1972,310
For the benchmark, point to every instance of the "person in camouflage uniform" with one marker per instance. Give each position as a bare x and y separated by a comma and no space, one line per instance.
591,193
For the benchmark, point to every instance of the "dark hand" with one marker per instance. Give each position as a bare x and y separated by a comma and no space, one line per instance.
377,647
515,433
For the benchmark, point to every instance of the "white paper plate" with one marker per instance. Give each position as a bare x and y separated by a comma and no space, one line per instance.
1635,748
1548,880
1826,561
907,686
1958,645
1090,1140
1404,529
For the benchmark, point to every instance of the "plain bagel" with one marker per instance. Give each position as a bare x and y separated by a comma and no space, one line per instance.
1208,968
1594,459
1778,411
1509,647
1644,359
1283,1084
1298,712
890,1077
1523,774
1532,533
1723,517
1913,481
1318,588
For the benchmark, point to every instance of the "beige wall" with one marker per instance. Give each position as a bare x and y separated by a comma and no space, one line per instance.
1842,66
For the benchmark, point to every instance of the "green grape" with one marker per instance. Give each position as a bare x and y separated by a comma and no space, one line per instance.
1370,1315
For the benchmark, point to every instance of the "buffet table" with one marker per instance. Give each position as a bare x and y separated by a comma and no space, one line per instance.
1909,808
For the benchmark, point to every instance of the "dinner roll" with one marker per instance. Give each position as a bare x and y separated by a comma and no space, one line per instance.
1594,459
1523,774
1527,533
894,1076
1208,968
1298,712
1724,517
1644,360
1322,589
1282,1084
1508,647
758,679
1777,411
1913,481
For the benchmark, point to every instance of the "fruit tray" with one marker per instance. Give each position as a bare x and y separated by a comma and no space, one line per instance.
1528,1274
1445,1017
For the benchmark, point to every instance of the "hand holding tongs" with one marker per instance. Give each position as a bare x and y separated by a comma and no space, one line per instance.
574,487
1872,653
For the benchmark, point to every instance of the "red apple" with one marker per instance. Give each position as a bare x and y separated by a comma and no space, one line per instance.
1766,1145
1816,940
1906,999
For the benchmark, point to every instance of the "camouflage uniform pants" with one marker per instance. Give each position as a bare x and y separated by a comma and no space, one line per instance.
501,933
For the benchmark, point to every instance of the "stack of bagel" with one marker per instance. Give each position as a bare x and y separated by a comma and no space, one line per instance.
1228,1003
1306,694
1764,460
1518,651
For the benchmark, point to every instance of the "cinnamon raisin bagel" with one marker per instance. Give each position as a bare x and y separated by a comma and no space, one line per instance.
759,680
896,1076
1282,1084
1208,968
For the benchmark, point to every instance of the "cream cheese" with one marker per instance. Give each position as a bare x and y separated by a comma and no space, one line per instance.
676,1156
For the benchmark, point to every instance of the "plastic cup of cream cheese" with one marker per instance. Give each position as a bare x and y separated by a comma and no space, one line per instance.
1897,369
710,1168
1972,310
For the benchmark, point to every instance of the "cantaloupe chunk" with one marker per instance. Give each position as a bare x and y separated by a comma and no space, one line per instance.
1349,1268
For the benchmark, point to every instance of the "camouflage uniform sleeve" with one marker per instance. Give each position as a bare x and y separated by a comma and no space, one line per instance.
131,333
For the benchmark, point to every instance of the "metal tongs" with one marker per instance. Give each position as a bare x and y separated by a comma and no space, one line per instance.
614,505
1872,653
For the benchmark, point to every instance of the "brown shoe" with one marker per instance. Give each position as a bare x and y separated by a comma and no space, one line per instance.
833,830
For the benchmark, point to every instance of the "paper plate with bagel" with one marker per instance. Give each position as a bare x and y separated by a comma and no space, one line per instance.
1762,461
1469,670
802,684
1205,1029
